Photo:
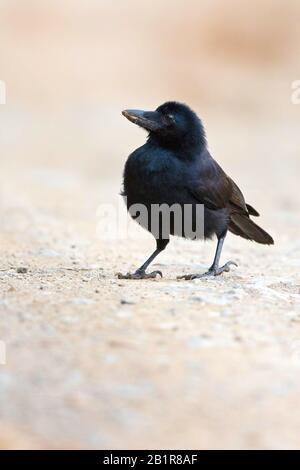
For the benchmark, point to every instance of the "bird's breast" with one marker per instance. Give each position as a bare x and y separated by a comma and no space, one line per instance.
152,178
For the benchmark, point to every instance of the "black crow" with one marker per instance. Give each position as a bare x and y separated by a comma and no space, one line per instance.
175,167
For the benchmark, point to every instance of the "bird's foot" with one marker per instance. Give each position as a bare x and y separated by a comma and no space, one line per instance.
140,275
218,271
212,272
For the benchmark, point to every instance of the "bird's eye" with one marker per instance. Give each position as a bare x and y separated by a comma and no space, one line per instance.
171,117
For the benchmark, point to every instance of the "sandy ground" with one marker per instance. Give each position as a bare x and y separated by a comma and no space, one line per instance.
95,362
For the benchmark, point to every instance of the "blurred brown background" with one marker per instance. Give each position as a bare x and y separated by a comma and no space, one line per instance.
70,67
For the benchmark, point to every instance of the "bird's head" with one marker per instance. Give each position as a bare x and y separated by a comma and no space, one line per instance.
172,125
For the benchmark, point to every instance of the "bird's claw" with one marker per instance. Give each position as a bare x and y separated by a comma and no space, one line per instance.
212,272
139,275
223,269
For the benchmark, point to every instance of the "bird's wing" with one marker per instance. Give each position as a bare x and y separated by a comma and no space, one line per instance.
237,201
236,198
216,190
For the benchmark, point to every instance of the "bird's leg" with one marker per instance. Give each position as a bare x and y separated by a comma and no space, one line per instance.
214,270
141,272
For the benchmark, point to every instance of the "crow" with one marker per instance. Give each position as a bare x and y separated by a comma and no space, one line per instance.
175,169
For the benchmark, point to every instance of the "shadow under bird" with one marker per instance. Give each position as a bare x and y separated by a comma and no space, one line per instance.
174,167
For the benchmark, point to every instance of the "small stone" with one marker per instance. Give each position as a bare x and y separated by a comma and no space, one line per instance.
22,270
238,338
197,298
126,302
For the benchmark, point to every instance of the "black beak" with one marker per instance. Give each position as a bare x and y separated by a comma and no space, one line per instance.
149,120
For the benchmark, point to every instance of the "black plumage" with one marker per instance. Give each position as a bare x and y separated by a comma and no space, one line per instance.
175,167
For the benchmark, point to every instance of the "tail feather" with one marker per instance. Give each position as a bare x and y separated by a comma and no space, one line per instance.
236,230
252,211
245,227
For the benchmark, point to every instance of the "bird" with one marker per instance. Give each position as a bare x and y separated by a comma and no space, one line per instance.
175,168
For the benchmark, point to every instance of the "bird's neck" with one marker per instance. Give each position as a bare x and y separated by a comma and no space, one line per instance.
185,148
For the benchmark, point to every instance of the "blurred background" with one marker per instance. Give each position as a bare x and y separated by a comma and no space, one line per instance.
70,68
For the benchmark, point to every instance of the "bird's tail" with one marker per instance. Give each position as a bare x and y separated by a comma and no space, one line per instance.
243,226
